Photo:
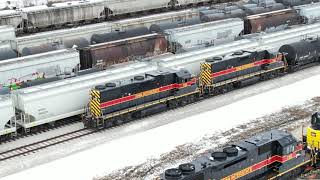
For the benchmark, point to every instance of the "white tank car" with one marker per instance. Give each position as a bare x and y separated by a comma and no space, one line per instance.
11,17
69,97
191,60
43,16
42,65
310,12
204,35
7,116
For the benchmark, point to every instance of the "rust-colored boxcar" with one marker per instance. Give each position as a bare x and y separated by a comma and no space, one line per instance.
271,21
115,52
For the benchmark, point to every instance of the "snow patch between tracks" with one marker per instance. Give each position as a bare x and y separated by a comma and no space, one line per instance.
152,143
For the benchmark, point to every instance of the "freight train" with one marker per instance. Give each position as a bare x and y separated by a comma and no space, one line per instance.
274,154
31,19
142,42
138,97
103,55
30,105
138,42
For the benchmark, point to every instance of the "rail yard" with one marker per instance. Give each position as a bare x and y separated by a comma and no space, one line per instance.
93,73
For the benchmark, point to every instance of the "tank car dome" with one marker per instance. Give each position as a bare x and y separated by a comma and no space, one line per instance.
187,168
7,54
173,173
231,151
100,87
219,156
138,78
111,85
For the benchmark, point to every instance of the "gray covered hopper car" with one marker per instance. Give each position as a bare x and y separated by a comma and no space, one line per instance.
203,35
43,65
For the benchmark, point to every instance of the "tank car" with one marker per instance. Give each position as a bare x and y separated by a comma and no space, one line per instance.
237,13
161,27
291,3
115,52
139,96
272,154
302,53
203,35
39,49
271,21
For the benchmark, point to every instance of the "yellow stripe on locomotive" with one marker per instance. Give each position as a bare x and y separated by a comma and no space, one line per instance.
94,104
205,74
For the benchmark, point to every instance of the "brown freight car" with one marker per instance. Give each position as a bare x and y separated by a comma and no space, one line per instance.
270,21
115,52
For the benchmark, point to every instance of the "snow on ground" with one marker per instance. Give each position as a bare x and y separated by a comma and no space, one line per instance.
151,143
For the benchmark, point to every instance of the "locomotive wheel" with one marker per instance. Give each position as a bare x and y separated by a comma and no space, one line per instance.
108,123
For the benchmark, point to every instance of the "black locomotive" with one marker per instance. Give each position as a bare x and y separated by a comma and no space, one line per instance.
114,103
140,96
272,154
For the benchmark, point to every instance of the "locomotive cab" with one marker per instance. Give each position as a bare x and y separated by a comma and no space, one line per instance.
313,132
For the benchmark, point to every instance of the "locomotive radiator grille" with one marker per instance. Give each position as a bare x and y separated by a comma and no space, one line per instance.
95,103
205,74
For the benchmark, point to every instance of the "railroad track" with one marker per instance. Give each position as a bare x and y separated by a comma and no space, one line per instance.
36,146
